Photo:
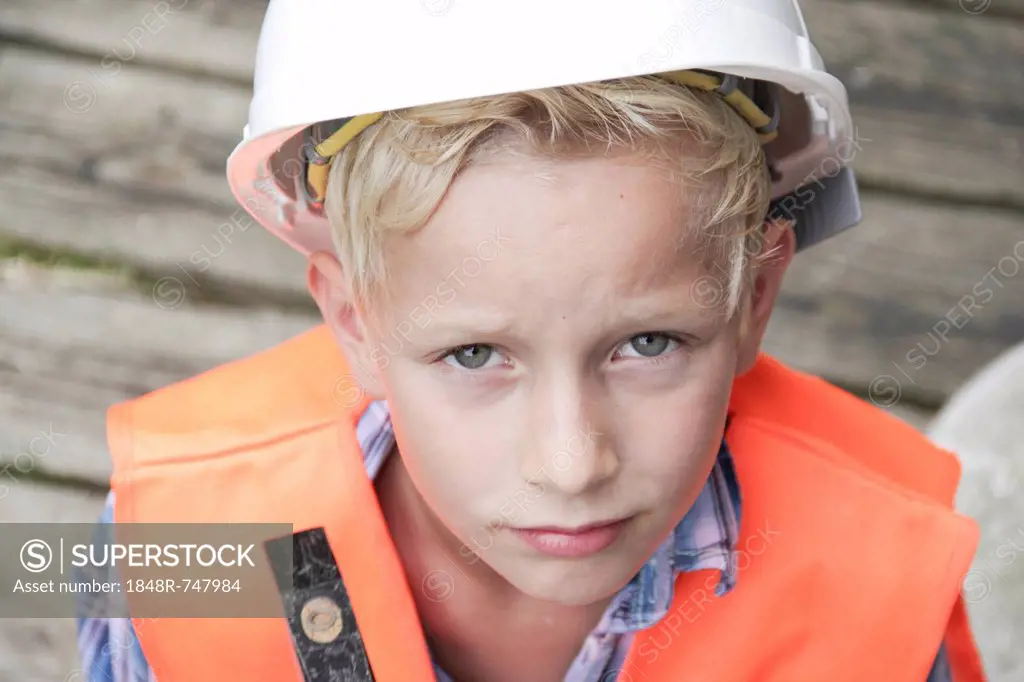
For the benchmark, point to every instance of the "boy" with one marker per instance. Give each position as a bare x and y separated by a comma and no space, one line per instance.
535,432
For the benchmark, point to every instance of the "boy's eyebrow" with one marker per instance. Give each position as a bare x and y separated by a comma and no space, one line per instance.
649,312
694,302
682,317
466,323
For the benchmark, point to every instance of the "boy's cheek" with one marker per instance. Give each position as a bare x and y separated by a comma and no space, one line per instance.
521,499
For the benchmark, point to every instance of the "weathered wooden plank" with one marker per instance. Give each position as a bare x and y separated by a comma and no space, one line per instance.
899,150
918,60
135,169
171,238
75,343
911,302
1013,9
42,649
161,135
213,37
39,650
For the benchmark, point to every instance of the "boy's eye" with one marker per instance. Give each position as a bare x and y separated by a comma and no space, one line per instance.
473,356
649,345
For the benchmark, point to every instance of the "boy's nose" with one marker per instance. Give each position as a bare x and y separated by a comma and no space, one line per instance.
569,450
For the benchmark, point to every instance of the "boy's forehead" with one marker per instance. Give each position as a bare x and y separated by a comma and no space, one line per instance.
593,207
523,228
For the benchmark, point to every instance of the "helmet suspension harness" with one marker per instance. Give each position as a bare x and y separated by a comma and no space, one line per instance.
730,88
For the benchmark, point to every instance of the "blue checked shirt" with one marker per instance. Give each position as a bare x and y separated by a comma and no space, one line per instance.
704,539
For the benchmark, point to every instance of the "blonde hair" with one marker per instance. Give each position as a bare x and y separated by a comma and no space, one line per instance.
390,179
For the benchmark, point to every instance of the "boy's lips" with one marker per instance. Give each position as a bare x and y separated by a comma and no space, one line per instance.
572,542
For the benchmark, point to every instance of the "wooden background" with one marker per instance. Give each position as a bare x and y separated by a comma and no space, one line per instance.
116,117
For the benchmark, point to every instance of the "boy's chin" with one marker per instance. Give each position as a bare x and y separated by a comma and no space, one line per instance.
577,582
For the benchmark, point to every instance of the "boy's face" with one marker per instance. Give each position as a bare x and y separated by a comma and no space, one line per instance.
553,359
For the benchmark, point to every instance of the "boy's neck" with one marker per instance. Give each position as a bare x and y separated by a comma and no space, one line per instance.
478,625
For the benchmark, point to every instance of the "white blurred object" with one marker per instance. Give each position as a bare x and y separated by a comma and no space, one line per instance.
983,423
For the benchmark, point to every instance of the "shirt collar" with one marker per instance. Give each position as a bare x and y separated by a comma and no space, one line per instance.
704,539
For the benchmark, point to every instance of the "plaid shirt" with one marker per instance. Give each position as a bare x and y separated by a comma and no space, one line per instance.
704,539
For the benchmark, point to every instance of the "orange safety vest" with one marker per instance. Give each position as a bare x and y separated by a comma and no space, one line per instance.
861,580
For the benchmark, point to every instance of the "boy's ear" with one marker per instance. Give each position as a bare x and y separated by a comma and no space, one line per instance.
329,288
776,253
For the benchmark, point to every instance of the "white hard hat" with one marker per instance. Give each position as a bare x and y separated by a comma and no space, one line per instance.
327,69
